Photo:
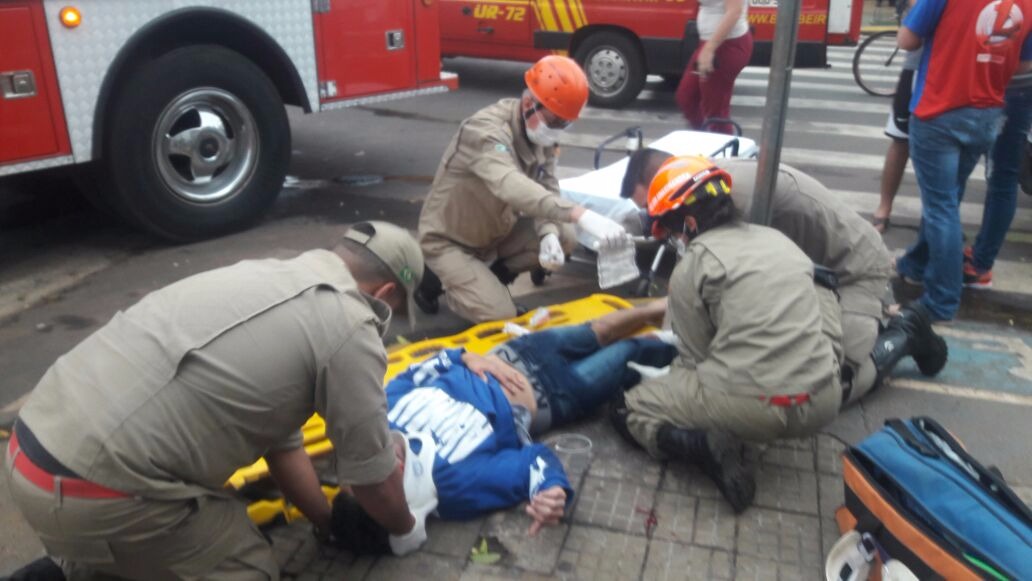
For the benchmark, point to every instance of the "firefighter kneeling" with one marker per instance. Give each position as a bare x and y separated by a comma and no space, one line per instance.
494,209
760,340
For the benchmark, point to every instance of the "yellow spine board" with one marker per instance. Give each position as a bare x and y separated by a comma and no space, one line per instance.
478,339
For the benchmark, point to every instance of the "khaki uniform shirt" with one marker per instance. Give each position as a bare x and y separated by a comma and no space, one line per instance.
749,317
828,231
489,176
208,374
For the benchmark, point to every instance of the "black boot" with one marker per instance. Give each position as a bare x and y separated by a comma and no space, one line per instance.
42,569
618,413
427,295
720,455
503,273
910,333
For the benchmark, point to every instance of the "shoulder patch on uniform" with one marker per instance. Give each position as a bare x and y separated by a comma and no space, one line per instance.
500,147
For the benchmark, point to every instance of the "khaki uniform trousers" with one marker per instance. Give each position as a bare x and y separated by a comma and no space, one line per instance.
859,333
472,291
680,400
201,538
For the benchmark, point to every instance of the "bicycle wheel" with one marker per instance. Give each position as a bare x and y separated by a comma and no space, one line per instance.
877,64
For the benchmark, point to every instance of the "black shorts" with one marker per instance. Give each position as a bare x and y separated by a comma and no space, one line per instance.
898,125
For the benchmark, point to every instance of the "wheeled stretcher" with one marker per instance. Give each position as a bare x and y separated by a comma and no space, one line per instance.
599,190
478,339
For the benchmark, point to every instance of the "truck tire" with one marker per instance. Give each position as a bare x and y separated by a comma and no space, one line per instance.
197,145
615,68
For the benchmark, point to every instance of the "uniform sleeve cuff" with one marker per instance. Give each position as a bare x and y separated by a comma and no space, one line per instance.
370,471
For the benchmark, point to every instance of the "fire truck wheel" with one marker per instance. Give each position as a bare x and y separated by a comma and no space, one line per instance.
198,143
615,68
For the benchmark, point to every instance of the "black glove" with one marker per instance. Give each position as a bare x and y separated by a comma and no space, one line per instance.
355,531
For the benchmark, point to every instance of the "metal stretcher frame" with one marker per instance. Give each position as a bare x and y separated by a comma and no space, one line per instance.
478,339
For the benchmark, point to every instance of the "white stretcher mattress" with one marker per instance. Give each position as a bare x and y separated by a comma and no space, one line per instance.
599,190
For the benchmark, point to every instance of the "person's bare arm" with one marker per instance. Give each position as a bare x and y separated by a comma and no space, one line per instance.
1024,67
732,12
385,503
614,326
294,474
908,40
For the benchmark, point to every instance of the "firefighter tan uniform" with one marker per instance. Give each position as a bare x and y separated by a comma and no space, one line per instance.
760,343
494,197
199,378
831,234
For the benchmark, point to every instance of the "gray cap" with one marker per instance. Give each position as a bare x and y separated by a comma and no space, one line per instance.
397,249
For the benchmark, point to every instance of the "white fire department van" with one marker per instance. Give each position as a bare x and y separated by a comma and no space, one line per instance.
179,104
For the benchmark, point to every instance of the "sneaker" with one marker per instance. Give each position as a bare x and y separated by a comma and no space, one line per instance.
974,278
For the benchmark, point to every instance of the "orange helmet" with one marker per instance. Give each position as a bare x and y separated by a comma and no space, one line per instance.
678,179
559,84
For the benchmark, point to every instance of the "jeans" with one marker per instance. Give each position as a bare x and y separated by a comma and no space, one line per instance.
944,150
1001,196
578,374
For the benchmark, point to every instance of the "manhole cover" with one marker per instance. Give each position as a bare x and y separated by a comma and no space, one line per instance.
360,180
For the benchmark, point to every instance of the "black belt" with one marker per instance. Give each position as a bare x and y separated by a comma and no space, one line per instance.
35,451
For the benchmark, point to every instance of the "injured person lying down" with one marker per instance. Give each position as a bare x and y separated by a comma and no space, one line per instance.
464,424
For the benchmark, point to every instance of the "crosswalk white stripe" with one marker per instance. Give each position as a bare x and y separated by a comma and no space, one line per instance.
797,156
853,89
837,159
879,106
755,125
845,74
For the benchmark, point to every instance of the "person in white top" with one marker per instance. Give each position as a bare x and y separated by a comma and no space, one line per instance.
726,45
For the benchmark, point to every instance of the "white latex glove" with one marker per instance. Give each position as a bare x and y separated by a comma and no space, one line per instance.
607,231
550,253
410,541
420,492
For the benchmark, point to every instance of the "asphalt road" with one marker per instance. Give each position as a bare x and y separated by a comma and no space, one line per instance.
66,268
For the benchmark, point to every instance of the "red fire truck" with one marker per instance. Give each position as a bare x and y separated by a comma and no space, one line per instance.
619,42
179,104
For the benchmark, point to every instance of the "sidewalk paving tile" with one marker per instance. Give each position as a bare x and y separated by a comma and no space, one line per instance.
793,454
715,524
687,479
537,554
594,554
675,517
790,541
784,488
829,455
672,561
755,569
614,504
832,497
475,572
451,538
418,565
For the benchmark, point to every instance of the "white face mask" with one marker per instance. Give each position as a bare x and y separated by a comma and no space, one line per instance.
543,135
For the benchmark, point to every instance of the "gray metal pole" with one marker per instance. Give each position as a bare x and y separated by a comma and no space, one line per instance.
782,59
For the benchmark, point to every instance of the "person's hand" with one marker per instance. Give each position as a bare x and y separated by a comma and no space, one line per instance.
546,508
704,62
608,232
511,380
550,253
